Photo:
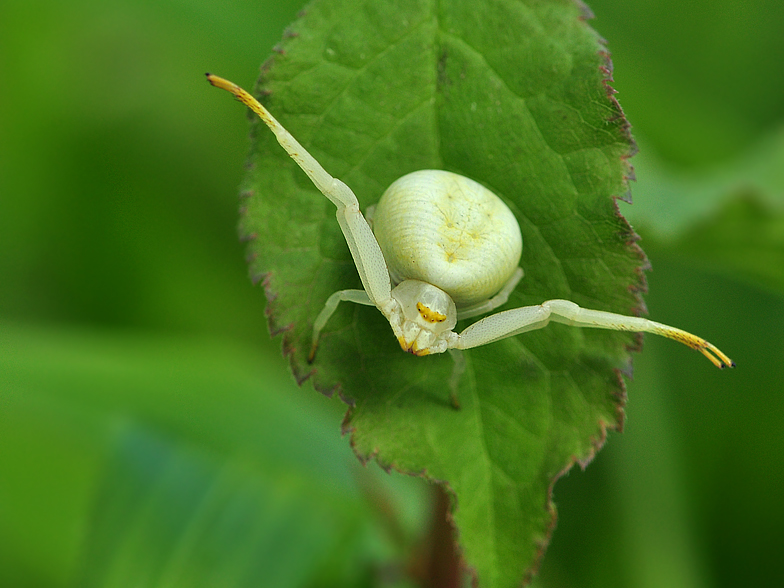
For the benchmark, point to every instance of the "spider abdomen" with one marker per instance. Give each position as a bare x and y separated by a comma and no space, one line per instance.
447,230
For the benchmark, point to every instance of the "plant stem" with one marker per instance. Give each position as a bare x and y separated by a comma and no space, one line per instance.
444,566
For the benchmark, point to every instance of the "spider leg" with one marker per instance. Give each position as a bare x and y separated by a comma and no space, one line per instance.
519,320
458,368
495,301
356,296
362,243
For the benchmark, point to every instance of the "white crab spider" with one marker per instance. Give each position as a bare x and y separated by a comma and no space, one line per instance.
451,249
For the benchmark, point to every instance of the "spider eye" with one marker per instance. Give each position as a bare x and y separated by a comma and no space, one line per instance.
430,315
424,304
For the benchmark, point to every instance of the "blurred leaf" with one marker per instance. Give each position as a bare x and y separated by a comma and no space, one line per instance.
695,77
143,460
169,516
117,201
724,433
744,238
669,200
688,496
729,219
514,95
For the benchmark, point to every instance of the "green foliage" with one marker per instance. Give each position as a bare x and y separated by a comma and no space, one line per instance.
745,237
161,481
127,321
513,95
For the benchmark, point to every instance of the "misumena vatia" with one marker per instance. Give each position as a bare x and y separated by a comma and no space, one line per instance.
451,249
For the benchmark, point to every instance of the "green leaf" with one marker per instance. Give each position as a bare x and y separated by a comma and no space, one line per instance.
674,61
510,93
744,238
729,219
171,516
669,200
135,460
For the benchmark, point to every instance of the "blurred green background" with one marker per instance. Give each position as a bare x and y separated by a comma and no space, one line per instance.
150,434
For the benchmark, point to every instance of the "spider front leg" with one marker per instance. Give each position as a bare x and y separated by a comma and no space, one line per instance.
356,296
519,320
364,248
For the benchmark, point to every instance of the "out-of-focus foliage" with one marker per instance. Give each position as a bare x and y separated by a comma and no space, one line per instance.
128,324
159,461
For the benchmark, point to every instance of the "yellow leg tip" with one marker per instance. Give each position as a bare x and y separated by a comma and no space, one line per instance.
219,82
713,353
718,358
